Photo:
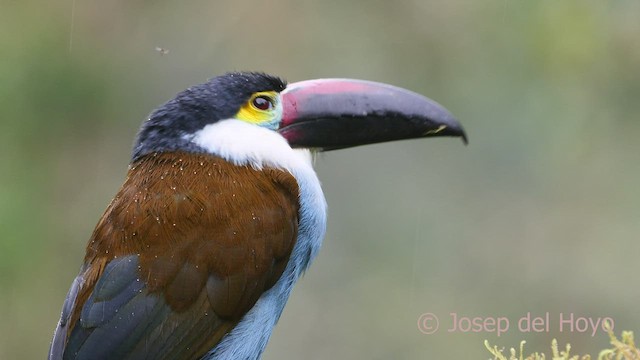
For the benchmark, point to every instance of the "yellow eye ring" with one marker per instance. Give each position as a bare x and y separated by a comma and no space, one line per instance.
261,108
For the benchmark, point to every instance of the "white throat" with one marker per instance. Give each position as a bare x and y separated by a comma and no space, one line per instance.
246,144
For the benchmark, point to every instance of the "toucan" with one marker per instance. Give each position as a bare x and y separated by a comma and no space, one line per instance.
221,212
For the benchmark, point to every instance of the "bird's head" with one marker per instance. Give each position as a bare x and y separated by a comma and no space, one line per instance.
324,114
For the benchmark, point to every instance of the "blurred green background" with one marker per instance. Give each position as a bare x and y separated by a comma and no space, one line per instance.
540,213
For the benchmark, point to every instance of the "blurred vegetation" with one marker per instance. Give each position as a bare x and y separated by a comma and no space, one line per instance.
622,349
542,207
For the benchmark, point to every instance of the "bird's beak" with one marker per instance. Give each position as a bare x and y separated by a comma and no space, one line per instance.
328,114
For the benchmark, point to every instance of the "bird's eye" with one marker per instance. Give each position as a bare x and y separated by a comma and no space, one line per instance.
263,103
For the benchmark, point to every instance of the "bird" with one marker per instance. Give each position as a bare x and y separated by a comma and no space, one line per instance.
221,212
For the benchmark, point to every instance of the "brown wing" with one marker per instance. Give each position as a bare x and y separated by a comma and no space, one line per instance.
185,249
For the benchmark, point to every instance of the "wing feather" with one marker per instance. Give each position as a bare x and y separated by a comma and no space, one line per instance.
184,250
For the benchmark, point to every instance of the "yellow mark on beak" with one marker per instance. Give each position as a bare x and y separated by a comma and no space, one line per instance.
435,131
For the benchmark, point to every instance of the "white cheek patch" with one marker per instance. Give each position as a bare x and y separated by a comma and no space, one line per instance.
247,144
